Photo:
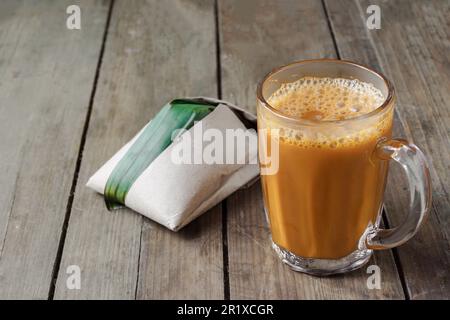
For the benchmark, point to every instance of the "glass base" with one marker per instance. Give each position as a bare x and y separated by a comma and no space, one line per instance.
323,267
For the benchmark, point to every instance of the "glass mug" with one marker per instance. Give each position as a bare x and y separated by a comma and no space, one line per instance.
323,202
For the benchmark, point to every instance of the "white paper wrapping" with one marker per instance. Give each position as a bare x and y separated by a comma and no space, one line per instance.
175,194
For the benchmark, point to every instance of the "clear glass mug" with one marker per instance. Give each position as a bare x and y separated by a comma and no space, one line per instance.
323,181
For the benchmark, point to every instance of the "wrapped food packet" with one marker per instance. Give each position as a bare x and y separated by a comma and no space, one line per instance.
192,155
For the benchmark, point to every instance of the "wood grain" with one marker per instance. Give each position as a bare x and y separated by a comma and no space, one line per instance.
412,49
46,77
155,51
256,37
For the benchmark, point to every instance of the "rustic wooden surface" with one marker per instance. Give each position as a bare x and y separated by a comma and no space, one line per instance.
70,98
46,78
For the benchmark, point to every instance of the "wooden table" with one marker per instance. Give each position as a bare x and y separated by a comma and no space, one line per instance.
70,98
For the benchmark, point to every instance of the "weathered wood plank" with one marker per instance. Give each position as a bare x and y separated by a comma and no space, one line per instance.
412,49
255,37
46,77
155,51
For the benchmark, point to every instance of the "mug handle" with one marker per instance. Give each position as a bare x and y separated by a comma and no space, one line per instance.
414,163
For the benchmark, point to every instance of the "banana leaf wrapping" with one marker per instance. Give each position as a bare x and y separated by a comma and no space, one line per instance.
143,176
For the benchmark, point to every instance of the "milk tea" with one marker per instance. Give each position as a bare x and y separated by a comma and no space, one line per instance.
329,187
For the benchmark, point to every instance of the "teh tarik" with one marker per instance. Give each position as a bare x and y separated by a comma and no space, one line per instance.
329,186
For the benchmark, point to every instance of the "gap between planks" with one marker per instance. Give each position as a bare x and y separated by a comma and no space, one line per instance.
62,239
385,221
226,276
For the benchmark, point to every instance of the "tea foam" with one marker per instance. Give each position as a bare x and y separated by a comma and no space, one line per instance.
329,99
326,99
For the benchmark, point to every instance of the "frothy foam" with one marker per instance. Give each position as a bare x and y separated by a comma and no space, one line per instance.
326,98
